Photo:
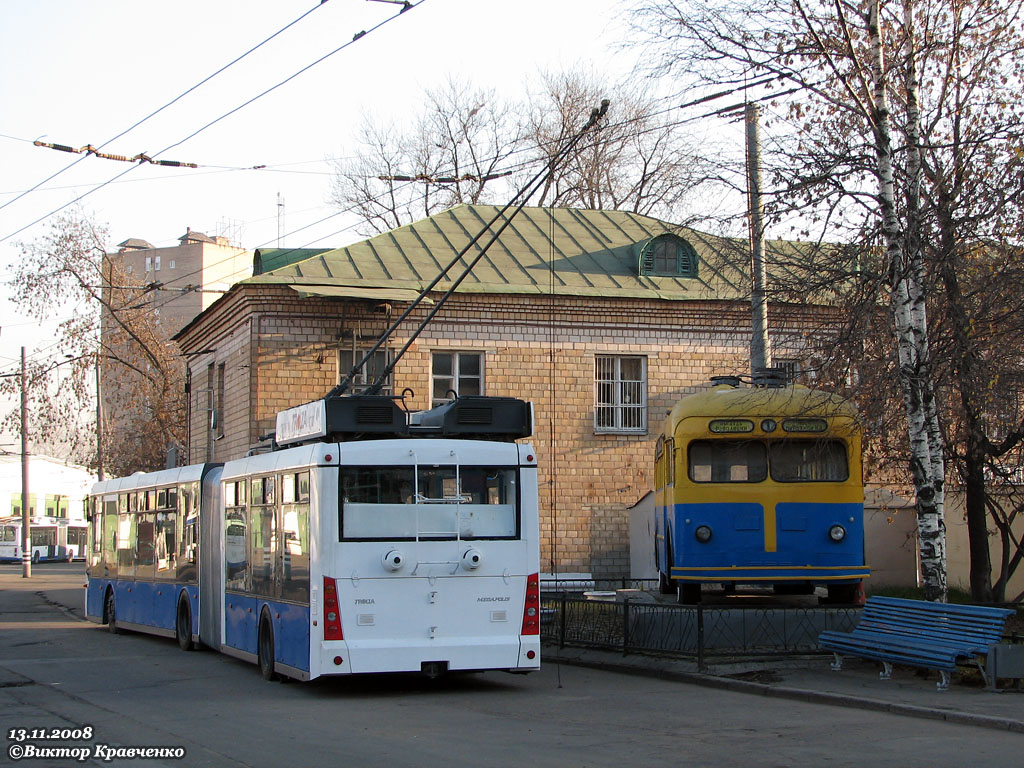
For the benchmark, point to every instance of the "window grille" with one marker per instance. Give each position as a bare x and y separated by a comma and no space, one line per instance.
620,394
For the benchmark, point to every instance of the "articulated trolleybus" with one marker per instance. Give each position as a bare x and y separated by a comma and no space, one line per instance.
760,485
380,541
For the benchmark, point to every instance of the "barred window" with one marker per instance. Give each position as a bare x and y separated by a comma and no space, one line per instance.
620,394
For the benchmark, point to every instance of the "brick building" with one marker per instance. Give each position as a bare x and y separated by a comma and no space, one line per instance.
602,318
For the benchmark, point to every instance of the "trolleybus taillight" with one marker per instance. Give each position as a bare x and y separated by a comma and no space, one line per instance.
531,611
332,614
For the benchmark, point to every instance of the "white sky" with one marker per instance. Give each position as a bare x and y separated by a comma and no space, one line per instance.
78,72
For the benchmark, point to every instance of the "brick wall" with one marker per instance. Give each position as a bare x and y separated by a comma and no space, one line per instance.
280,351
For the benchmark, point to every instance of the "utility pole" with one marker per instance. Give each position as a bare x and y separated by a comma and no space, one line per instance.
26,532
280,218
99,423
760,351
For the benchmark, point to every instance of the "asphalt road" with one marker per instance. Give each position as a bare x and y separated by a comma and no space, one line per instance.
60,672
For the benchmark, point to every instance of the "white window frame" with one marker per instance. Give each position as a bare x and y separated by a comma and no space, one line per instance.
456,374
627,405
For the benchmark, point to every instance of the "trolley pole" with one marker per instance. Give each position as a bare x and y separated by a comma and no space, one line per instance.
26,533
760,352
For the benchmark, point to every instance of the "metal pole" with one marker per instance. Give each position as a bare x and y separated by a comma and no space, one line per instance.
99,423
760,352
26,521
700,639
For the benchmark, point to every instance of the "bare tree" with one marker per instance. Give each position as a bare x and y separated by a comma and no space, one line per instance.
470,147
454,151
109,327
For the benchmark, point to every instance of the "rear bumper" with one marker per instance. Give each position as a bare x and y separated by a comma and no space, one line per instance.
461,654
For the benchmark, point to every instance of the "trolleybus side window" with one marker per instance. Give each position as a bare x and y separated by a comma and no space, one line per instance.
165,533
144,550
446,502
294,549
809,461
262,536
236,564
187,536
126,524
727,461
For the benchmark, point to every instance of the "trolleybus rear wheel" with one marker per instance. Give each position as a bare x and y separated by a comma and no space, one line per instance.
111,614
183,625
265,648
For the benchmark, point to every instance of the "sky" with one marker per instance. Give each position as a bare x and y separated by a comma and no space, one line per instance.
75,72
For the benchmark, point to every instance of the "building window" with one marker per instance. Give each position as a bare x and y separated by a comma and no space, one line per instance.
170,264
220,401
369,373
461,373
620,394
149,263
156,263
668,256
791,369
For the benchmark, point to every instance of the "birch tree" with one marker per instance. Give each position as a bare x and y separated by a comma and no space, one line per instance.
854,163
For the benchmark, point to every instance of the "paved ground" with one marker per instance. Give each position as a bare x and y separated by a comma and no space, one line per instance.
909,692
662,712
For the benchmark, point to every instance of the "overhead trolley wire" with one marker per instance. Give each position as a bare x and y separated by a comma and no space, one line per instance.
157,111
358,36
524,193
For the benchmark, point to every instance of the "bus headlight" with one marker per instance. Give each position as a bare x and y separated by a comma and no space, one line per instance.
703,534
837,533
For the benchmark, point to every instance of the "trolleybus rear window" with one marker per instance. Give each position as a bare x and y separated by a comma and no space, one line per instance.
436,503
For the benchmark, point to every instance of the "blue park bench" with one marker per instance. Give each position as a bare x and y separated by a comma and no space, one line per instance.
918,633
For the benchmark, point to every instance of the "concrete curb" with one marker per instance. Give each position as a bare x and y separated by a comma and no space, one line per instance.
651,668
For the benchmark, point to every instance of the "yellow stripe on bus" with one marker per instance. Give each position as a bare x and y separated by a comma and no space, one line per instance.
770,538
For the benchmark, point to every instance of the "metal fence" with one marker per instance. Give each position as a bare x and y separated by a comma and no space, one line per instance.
697,631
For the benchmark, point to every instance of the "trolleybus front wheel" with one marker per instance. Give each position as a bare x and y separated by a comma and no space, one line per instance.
183,625
665,584
842,593
111,614
265,648
689,593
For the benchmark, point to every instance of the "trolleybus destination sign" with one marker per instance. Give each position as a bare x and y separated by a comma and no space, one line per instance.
302,422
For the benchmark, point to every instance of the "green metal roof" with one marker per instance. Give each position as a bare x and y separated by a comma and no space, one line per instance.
267,259
563,251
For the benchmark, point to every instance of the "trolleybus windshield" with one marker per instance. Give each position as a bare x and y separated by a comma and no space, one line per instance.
429,502
751,461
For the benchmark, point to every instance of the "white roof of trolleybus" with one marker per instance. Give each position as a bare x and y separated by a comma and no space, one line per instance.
142,480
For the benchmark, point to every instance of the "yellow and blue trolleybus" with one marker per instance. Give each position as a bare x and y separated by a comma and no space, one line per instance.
760,485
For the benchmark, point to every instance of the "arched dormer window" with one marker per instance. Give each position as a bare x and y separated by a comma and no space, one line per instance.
668,256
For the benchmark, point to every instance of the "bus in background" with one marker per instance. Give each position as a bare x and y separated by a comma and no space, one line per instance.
414,548
760,485
52,539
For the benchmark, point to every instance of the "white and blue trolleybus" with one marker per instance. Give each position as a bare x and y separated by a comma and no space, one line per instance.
378,542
